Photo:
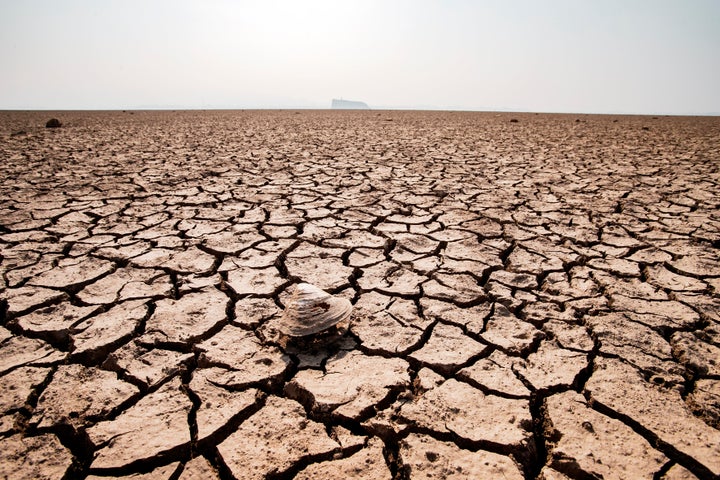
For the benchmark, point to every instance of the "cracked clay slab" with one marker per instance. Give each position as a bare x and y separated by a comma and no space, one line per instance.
424,457
660,410
351,384
454,407
156,424
273,439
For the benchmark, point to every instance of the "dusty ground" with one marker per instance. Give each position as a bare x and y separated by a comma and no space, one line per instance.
532,299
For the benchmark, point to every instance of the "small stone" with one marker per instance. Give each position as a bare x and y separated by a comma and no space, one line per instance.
53,123
384,424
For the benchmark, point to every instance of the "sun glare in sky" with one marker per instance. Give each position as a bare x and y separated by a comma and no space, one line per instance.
637,56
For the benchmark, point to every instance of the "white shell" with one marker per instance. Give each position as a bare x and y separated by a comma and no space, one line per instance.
311,310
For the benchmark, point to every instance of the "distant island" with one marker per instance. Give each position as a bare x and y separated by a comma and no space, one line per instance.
348,105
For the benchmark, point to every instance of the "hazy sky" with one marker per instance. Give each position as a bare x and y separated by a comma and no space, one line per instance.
641,56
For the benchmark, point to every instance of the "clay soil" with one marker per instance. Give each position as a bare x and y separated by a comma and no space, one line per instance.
535,296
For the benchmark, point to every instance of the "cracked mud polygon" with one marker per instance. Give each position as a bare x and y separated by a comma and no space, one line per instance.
535,298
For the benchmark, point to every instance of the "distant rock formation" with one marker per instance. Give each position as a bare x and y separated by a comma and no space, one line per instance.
348,105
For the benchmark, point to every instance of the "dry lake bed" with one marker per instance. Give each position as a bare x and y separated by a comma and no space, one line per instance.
534,296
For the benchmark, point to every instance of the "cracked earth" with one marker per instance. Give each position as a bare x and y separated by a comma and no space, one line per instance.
535,296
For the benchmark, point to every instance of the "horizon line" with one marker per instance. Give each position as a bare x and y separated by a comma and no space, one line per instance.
379,108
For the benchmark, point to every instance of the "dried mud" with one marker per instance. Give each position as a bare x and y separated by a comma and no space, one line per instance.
535,296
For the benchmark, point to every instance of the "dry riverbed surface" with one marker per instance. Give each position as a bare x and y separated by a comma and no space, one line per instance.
534,296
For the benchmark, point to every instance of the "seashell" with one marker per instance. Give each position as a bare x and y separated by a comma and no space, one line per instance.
311,310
